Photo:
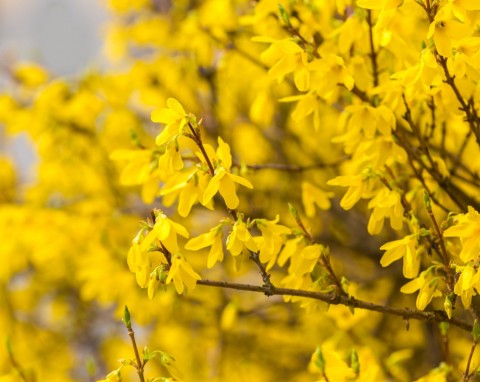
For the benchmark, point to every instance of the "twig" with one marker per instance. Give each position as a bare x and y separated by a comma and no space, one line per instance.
281,166
466,374
335,299
373,53
443,250
140,364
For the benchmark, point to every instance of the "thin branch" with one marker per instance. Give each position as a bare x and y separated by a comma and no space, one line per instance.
443,250
467,107
466,374
140,363
197,138
460,153
335,299
373,53
281,166
293,168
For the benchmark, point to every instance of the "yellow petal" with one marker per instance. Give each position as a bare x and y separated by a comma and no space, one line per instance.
173,104
227,190
212,187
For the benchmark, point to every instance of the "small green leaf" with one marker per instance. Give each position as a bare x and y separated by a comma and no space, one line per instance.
319,360
126,318
293,211
284,15
354,364
476,331
426,200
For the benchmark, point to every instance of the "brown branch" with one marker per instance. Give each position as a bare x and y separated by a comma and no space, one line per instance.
467,107
140,363
292,168
373,53
466,374
335,299
443,250
281,166
197,138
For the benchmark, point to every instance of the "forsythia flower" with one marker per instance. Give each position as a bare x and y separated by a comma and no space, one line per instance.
328,73
171,160
405,248
189,187
175,119
359,186
328,362
313,196
271,241
443,30
308,258
386,203
288,57
224,181
166,231
139,171
467,229
427,284
239,238
464,287
213,239
30,75
182,274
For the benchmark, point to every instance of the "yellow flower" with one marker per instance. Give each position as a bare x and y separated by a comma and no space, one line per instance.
291,248
286,57
171,161
443,30
467,228
272,239
308,258
213,239
175,119
386,203
224,181
189,187
166,231
328,72
140,170
405,248
30,75
359,186
182,274
312,196
464,287
427,284
239,238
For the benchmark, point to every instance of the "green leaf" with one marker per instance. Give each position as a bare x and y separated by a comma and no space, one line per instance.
476,331
126,318
284,15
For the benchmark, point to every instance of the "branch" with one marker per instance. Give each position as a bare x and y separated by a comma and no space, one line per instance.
335,299
373,54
